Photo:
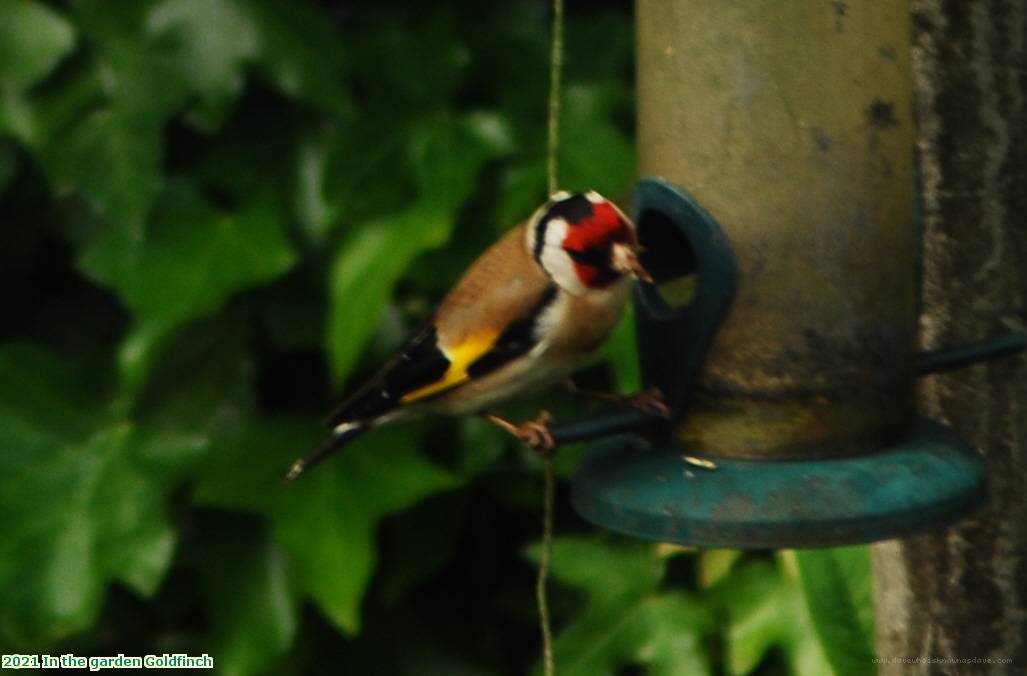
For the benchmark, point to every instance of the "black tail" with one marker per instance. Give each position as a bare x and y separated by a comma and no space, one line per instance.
332,444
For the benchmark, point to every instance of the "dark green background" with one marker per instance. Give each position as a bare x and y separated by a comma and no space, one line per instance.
215,215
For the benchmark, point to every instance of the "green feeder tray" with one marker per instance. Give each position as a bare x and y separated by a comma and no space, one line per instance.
655,491
643,483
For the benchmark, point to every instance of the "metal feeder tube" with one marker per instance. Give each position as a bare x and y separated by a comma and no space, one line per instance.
791,122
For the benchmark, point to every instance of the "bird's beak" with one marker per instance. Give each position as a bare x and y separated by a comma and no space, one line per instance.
625,259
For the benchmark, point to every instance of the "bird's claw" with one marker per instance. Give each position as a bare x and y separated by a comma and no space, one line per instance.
535,433
650,399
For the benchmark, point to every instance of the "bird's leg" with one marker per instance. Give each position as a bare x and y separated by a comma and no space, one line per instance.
649,399
535,433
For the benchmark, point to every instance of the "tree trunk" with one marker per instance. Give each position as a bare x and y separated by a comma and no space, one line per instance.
957,601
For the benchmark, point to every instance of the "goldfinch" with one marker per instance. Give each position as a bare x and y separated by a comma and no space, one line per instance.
523,316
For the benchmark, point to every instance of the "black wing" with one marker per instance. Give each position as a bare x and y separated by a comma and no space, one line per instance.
422,362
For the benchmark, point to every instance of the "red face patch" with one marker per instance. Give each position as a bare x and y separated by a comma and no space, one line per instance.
589,243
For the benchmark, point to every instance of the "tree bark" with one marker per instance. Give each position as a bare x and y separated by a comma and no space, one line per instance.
962,594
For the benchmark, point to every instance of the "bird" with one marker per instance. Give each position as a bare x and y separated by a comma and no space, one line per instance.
522,317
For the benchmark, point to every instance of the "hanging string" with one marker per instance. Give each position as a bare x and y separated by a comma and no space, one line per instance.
555,71
549,492
549,475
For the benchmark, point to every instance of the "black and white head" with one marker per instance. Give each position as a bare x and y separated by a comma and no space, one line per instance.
584,242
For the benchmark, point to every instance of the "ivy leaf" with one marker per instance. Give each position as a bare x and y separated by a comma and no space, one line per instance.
417,548
33,40
446,156
314,210
205,383
138,77
301,53
100,131
192,259
411,73
627,621
249,589
594,153
213,41
363,274
752,596
127,147
365,173
83,495
210,41
714,564
325,521
523,190
765,609
799,640
836,585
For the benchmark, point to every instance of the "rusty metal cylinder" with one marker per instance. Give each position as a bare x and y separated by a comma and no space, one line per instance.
791,122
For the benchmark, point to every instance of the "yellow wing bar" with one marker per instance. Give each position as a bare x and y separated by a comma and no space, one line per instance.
460,359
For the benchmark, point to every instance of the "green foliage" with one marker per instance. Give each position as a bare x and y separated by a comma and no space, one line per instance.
765,611
445,157
33,39
326,524
191,259
637,612
248,586
628,620
217,214
837,587
83,495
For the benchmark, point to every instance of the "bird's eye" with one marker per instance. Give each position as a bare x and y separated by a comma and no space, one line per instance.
595,257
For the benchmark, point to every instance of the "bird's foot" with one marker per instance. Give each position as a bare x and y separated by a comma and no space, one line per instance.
535,433
650,399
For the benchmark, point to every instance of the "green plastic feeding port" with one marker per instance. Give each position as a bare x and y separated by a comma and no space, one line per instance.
650,484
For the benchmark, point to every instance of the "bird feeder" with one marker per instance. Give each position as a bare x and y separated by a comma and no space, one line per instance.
789,371
752,485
